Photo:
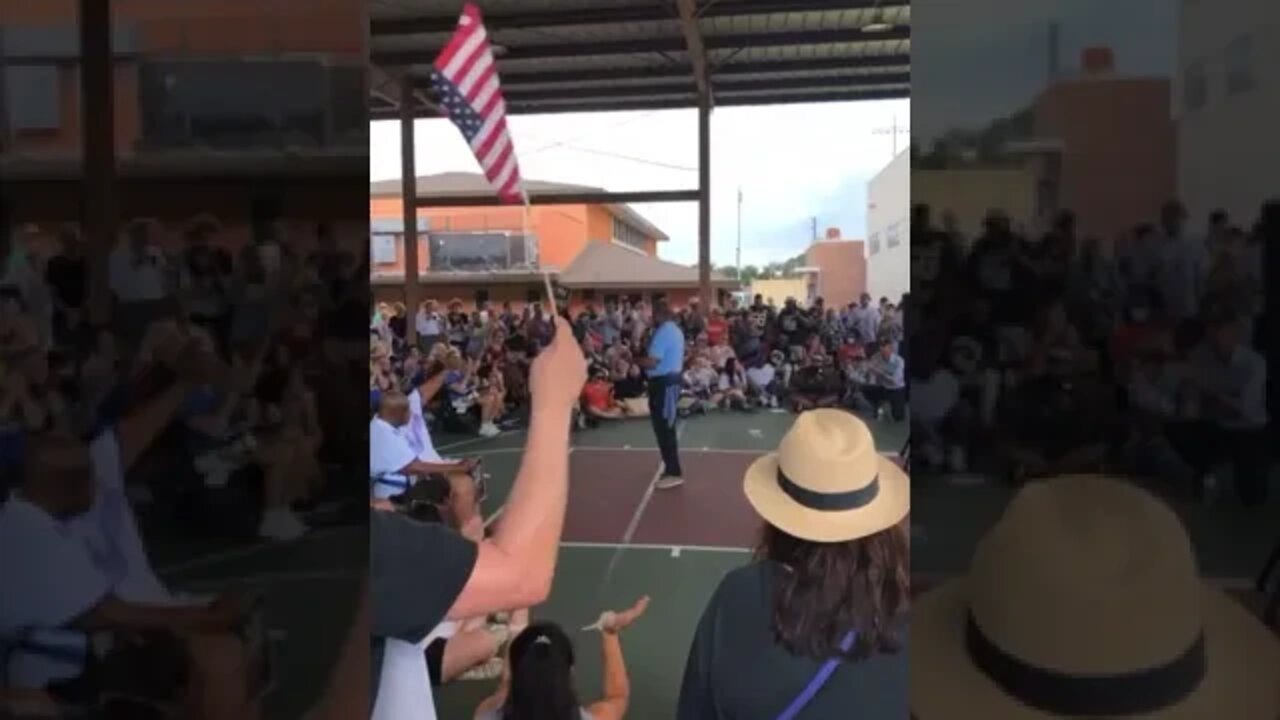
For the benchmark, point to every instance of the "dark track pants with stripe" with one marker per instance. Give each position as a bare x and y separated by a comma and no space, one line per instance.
664,393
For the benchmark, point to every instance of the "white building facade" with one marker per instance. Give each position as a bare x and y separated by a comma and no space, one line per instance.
1227,105
889,230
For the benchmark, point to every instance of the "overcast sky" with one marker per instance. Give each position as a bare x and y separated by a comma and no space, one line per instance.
976,60
792,162
799,162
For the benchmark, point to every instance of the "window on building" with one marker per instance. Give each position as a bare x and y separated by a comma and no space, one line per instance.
33,98
533,297
655,297
588,294
1239,58
1195,86
628,235
482,297
634,298
242,103
382,248
892,236
611,299
472,252
873,243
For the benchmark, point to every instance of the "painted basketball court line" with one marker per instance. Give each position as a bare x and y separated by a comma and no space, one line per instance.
634,525
249,551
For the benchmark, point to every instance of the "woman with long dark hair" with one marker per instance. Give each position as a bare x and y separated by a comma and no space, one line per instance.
539,683
815,625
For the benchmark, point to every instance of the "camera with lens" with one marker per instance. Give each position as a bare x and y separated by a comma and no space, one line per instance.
427,500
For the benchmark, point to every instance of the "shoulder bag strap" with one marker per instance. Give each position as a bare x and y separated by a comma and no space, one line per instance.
819,680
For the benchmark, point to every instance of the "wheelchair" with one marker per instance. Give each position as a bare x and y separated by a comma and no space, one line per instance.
142,675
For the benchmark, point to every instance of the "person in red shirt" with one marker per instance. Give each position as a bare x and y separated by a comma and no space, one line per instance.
717,328
597,397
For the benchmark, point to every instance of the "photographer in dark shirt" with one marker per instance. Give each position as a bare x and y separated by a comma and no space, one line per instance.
422,573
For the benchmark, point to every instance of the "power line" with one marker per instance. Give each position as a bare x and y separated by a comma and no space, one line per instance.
582,136
642,161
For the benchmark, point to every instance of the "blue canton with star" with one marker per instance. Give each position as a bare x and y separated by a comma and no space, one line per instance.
457,107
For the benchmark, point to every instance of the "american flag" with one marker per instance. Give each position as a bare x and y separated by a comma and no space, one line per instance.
465,78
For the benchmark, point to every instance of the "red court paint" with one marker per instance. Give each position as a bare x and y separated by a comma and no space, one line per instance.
709,509
605,488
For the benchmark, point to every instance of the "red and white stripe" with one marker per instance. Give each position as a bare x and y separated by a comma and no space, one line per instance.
467,61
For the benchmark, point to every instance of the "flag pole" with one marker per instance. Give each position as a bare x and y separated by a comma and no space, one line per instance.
546,276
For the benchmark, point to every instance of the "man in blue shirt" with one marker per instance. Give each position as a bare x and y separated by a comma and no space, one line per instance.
664,365
888,384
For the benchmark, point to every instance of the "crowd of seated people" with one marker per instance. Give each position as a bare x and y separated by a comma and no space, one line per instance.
1042,355
191,406
745,358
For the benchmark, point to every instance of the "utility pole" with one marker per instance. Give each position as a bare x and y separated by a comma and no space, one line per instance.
813,229
893,131
738,256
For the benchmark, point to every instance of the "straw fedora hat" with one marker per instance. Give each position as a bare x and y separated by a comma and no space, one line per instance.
827,482
1084,601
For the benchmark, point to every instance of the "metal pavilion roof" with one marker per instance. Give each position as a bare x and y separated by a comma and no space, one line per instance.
602,55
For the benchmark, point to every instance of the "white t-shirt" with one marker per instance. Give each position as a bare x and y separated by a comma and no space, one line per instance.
445,629
49,579
427,323
134,282
760,377
389,453
932,399
111,531
404,688
1179,274
417,432
1242,378
866,320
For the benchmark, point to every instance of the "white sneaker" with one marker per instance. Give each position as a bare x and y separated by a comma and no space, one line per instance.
666,482
489,430
281,524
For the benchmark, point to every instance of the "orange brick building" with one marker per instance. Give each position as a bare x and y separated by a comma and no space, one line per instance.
477,254
1112,156
216,102
839,267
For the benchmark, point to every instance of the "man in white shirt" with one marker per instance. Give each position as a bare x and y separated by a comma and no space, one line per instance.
57,593
1229,381
760,382
428,325
887,372
139,280
865,320
137,268
935,396
1180,264
394,466
109,527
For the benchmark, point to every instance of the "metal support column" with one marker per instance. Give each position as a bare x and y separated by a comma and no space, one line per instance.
409,195
704,201
97,123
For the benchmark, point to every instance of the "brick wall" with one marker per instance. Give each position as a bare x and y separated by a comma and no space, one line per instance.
842,270
1119,149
